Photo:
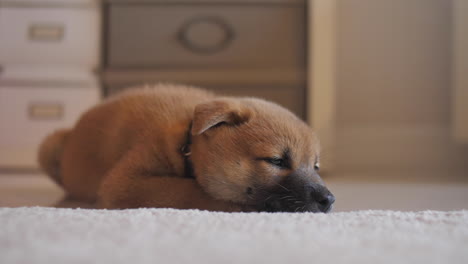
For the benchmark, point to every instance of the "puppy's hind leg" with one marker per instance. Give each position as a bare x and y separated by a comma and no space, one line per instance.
50,154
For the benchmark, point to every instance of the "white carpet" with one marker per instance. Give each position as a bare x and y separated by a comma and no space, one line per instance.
48,235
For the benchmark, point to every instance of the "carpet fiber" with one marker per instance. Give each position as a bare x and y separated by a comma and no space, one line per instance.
49,235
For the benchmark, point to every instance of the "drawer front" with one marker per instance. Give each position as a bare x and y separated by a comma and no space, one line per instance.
291,97
28,114
250,36
49,36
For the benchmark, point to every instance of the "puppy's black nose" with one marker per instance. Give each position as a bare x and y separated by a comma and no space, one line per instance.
325,203
323,198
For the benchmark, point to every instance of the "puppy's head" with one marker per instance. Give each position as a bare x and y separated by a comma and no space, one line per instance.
254,152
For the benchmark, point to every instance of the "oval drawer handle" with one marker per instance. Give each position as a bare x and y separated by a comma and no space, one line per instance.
206,35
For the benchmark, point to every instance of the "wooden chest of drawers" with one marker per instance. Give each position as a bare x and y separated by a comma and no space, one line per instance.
49,51
244,48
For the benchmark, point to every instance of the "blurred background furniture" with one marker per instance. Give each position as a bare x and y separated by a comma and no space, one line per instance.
49,53
244,48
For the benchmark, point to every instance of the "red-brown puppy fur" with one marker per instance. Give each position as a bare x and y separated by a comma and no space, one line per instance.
125,152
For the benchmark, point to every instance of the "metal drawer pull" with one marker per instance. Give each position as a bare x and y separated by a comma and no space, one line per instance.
206,34
46,32
46,111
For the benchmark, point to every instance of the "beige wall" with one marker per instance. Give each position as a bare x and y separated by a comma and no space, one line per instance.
394,61
393,89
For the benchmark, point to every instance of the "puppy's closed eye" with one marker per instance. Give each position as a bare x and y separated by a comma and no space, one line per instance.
278,162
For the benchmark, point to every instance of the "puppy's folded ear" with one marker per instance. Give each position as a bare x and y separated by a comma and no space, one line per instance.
213,113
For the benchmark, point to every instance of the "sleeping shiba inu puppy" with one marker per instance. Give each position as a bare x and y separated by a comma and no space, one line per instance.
182,147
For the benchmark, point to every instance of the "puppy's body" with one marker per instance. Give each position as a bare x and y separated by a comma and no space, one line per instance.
126,152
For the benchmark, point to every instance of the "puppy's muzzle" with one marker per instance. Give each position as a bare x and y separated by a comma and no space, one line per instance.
297,193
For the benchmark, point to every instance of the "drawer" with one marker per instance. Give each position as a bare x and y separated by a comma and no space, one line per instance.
205,35
291,97
49,35
28,114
